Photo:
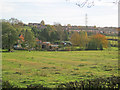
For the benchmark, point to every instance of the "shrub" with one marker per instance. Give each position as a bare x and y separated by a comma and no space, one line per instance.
110,82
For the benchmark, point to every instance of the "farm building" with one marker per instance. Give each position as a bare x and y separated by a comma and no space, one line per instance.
49,46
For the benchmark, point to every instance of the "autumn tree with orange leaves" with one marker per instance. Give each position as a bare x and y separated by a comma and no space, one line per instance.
98,41
21,38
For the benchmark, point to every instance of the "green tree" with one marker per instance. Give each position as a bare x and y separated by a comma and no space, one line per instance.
65,35
29,39
36,32
75,39
42,22
52,36
45,35
60,31
83,39
9,36
101,47
92,45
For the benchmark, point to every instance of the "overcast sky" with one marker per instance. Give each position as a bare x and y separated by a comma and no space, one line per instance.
103,13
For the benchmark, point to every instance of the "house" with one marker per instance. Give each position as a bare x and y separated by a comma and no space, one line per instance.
38,25
48,46
54,47
39,42
17,46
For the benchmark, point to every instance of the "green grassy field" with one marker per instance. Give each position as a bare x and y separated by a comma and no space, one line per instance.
23,68
112,42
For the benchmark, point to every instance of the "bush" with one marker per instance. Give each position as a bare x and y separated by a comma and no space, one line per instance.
35,86
110,82
7,84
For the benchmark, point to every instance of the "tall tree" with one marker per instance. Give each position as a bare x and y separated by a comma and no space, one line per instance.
9,36
66,35
83,39
52,36
45,34
60,31
92,45
79,39
29,39
75,39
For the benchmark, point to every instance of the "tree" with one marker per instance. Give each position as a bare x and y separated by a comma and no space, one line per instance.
14,21
60,31
75,39
95,27
29,39
99,40
42,22
101,47
45,35
79,39
65,35
9,36
52,36
92,45
68,26
83,39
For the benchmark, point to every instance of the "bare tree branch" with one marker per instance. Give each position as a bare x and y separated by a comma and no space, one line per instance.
91,3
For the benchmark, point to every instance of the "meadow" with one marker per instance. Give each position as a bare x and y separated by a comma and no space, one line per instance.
51,68
113,42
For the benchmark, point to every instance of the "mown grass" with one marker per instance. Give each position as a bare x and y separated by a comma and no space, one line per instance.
49,69
112,37
113,42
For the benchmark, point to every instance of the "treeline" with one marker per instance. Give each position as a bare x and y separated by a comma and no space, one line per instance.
94,42
13,28
16,32
51,33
